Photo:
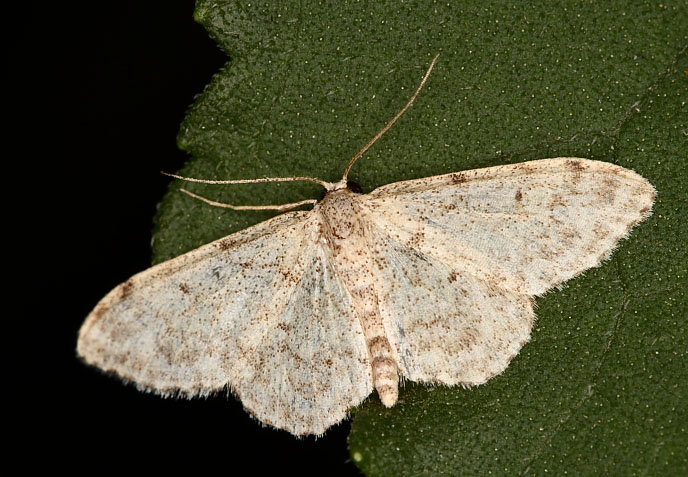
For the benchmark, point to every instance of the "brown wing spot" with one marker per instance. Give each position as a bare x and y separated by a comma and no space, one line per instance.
644,210
184,287
453,276
98,312
417,239
126,289
518,196
575,165
458,178
225,244
524,168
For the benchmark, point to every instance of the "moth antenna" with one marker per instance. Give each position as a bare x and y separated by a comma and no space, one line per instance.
250,181
249,207
394,119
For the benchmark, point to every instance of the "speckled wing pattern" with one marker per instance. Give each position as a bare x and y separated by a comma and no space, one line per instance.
261,311
433,279
459,256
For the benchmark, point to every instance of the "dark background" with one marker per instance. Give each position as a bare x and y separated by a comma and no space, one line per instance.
109,84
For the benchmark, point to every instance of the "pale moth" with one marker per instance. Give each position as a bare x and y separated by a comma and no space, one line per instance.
430,280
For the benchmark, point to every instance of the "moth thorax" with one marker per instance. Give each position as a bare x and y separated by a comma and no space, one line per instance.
340,212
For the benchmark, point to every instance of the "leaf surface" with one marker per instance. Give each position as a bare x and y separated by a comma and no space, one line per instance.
601,387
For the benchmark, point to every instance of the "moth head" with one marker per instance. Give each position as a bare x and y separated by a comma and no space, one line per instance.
349,186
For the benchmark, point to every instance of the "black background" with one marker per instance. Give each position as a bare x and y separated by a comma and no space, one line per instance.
108,84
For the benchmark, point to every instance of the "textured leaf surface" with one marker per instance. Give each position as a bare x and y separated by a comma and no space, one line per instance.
601,387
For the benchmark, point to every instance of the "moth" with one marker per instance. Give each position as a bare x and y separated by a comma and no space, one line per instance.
430,280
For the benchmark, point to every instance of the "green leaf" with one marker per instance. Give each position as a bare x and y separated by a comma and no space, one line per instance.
601,387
